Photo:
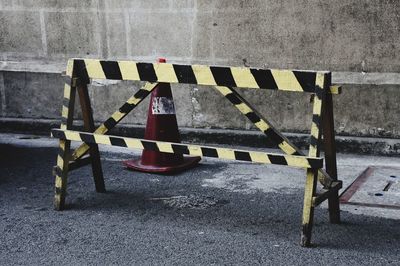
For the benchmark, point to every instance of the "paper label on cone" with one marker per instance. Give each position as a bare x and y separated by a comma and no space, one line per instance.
162,106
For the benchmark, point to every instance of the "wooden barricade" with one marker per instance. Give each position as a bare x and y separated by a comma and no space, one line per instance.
224,80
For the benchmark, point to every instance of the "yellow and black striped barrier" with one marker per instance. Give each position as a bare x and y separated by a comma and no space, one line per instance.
195,150
223,79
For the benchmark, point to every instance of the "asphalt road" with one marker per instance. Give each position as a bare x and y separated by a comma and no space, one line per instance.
169,220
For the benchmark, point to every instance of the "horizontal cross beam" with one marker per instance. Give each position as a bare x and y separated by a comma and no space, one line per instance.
195,150
275,79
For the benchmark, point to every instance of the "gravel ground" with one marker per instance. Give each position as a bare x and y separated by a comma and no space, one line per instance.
168,220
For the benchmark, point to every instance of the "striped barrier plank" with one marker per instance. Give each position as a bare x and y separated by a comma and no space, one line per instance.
274,79
195,150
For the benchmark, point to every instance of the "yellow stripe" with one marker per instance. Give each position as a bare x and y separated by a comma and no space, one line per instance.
203,75
64,111
226,154
58,182
286,80
297,161
223,90
133,100
243,77
195,150
149,86
128,70
244,108
101,129
165,147
70,67
67,91
335,89
118,115
259,157
60,161
94,69
101,139
165,73
287,148
319,79
134,143
72,135
262,125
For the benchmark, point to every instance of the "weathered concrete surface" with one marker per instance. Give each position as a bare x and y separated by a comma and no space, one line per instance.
362,110
217,213
349,36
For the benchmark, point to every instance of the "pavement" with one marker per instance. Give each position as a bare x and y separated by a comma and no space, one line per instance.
219,213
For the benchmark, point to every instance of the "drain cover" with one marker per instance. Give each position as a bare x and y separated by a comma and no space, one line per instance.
375,187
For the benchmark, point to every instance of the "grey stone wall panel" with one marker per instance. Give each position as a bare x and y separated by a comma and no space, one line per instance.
72,34
20,32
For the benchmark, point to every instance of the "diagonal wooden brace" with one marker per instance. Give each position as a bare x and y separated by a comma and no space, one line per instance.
267,128
116,117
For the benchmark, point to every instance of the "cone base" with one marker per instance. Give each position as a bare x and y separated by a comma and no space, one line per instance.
188,162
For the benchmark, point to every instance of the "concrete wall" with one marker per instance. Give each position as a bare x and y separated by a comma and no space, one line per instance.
347,37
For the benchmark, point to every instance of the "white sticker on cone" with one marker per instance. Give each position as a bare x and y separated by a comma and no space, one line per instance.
163,106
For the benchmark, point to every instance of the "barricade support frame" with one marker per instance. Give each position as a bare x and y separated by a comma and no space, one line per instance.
80,71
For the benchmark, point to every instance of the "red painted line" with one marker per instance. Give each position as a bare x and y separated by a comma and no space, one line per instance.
352,189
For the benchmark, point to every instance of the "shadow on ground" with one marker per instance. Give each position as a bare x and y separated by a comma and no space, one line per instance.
138,221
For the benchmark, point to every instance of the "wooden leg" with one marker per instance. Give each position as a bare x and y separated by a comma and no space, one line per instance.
94,149
62,175
330,157
63,157
308,208
321,83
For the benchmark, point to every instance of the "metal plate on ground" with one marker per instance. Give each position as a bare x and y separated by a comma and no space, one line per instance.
375,187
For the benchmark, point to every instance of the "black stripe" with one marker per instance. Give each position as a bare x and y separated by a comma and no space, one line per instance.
149,145
64,120
57,133
314,164
58,171
253,117
126,108
59,190
242,156
110,123
87,138
117,142
306,80
146,72
180,149
185,74
319,92
141,94
277,159
80,71
111,69
264,79
209,152
61,152
223,76
68,80
233,98
313,141
66,102
316,119
275,137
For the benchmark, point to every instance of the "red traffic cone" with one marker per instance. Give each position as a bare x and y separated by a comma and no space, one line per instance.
162,125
